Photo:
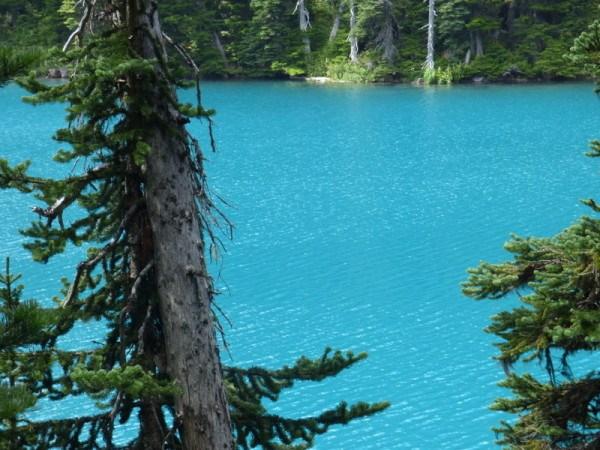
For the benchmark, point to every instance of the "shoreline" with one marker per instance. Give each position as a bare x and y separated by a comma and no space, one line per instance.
476,81
327,81
52,75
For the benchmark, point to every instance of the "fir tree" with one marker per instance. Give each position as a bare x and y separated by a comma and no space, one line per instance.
378,26
492,38
558,317
138,199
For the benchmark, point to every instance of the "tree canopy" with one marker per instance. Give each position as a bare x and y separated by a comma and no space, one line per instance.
499,40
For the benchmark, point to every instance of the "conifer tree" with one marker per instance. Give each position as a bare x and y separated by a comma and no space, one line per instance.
558,282
21,323
268,33
378,26
138,200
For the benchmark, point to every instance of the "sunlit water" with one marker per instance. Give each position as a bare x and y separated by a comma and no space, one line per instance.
357,211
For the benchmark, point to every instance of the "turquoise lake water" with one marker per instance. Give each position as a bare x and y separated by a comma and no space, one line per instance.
357,211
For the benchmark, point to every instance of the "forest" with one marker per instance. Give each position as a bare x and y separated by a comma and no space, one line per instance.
397,214
346,40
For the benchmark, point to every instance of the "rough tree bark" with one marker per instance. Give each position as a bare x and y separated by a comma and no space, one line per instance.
183,285
352,38
429,60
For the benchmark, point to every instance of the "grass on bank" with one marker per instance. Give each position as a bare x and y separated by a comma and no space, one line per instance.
15,62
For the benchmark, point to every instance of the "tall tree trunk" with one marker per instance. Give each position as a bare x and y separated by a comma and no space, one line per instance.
153,428
468,57
429,60
304,22
335,27
183,285
220,49
152,422
478,44
352,38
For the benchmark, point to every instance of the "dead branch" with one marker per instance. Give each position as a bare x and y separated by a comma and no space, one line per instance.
138,281
183,52
142,330
133,294
90,264
172,431
78,33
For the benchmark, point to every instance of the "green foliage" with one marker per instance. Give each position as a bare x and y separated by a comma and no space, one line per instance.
68,11
453,16
14,401
559,311
586,50
288,70
554,63
558,316
133,381
443,75
261,38
342,69
23,324
15,62
254,426
31,23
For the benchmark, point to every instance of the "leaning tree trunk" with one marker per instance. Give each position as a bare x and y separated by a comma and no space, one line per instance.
352,38
182,282
220,48
429,60
335,27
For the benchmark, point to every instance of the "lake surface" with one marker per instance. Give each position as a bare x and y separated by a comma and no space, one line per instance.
357,211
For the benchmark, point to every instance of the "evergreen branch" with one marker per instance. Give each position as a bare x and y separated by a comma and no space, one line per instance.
78,184
16,177
305,369
265,430
132,380
66,434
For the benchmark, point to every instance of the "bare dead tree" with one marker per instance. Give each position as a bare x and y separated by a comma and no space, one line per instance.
352,36
429,60
304,22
